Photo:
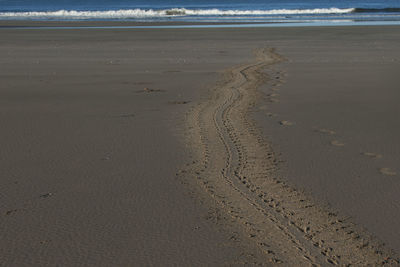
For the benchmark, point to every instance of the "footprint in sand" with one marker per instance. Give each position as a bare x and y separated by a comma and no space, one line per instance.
47,195
149,90
337,143
387,171
372,155
286,123
9,212
326,131
179,102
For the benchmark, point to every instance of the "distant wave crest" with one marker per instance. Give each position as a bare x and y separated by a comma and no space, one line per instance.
150,13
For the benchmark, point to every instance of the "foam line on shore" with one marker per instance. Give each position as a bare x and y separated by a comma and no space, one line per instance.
152,13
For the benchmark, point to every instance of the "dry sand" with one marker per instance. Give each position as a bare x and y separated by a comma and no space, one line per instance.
95,169
90,145
340,89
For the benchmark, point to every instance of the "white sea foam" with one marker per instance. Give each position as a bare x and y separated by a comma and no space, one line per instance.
150,13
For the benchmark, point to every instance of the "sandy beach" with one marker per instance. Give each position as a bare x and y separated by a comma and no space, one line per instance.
177,147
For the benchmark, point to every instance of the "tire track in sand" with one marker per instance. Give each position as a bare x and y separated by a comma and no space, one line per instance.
236,167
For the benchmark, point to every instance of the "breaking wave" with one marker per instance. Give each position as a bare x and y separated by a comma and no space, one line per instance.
150,13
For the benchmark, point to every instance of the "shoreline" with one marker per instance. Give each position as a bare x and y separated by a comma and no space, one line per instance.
105,24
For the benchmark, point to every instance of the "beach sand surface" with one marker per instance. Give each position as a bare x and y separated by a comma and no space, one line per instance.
91,144
94,130
339,90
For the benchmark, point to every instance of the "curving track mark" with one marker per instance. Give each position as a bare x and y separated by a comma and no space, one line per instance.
236,167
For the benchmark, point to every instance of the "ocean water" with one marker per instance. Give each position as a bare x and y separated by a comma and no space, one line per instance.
237,11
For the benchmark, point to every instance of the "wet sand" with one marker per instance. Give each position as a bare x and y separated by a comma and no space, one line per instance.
96,169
